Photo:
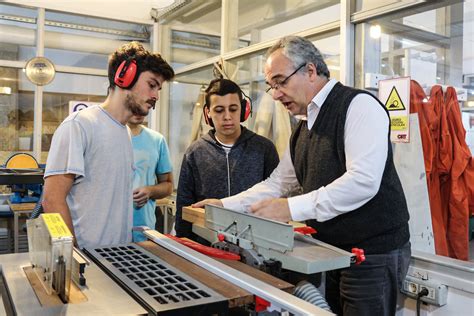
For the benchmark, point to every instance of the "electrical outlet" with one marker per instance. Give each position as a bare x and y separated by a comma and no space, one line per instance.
437,293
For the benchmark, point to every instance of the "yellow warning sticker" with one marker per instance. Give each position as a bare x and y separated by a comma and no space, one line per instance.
56,226
394,102
399,123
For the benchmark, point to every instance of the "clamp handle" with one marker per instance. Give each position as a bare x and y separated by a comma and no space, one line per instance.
305,230
220,237
359,255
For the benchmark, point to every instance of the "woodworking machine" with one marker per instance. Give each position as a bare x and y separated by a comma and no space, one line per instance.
133,279
262,242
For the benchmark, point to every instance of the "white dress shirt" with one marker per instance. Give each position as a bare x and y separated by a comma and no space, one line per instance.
366,148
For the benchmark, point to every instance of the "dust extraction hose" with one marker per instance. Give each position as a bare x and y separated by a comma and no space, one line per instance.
310,293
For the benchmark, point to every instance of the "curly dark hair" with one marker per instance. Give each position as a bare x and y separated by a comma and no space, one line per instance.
145,60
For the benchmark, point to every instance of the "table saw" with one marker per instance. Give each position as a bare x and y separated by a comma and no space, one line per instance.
157,277
163,277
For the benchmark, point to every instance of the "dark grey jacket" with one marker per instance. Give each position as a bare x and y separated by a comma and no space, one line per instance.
207,172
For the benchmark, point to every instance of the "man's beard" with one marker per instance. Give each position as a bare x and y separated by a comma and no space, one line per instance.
134,107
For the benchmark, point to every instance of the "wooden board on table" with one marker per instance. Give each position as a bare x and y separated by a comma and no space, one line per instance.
75,294
236,295
198,216
194,215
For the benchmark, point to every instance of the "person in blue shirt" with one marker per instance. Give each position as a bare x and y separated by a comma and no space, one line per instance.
152,178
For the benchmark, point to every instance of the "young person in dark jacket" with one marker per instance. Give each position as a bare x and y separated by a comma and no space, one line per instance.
341,155
226,161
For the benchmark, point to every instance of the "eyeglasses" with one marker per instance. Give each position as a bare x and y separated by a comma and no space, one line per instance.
278,85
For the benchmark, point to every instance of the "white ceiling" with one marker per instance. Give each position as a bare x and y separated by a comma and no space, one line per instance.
127,10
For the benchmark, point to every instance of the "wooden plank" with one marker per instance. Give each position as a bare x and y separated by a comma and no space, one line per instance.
21,206
260,275
297,224
194,215
164,201
236,295
198,216
75,294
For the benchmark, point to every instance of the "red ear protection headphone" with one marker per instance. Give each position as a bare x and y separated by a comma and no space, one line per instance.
245,110
127,74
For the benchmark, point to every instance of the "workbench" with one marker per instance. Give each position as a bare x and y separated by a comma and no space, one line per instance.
21,176
105,297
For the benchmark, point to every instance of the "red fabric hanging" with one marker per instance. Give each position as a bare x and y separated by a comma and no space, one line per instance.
444,152
417,98
468,177
429,129
458,222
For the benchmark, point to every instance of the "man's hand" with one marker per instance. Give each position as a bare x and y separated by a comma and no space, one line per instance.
275,209
208,201
141,196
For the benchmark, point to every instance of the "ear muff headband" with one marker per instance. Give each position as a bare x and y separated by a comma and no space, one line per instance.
207,119
245,107
127,74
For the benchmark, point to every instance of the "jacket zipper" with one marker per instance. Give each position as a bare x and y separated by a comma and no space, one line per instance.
228,173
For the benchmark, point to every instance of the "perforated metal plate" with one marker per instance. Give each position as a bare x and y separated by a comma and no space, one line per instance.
157,286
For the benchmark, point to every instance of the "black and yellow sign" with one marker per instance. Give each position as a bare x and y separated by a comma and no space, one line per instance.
399,123
394,102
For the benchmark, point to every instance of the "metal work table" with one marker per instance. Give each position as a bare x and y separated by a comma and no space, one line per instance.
104,296
21,176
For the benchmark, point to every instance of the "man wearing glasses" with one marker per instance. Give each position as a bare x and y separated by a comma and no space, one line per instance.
342,157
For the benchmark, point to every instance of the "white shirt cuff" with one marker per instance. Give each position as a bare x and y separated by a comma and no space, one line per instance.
301,207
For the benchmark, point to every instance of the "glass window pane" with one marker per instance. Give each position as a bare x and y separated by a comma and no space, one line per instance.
363,5
186,101
14,107
196,32
269,19
433,47
80,41
17,32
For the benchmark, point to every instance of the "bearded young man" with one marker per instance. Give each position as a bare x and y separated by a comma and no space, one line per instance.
88,176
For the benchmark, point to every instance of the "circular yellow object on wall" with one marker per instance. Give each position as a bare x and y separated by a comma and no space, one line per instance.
40,71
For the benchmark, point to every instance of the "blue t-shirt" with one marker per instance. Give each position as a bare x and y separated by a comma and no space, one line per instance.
151,157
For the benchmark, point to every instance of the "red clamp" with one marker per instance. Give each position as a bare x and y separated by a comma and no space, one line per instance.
213,252
305,230
220,237
359,255
261,304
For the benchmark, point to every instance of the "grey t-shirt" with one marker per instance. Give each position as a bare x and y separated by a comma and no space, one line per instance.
96,148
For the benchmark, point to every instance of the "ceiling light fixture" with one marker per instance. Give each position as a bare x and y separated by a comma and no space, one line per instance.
375,31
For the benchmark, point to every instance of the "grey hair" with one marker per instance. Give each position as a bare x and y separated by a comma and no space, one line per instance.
300,50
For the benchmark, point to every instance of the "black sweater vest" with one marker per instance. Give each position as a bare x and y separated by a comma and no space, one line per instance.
318,156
